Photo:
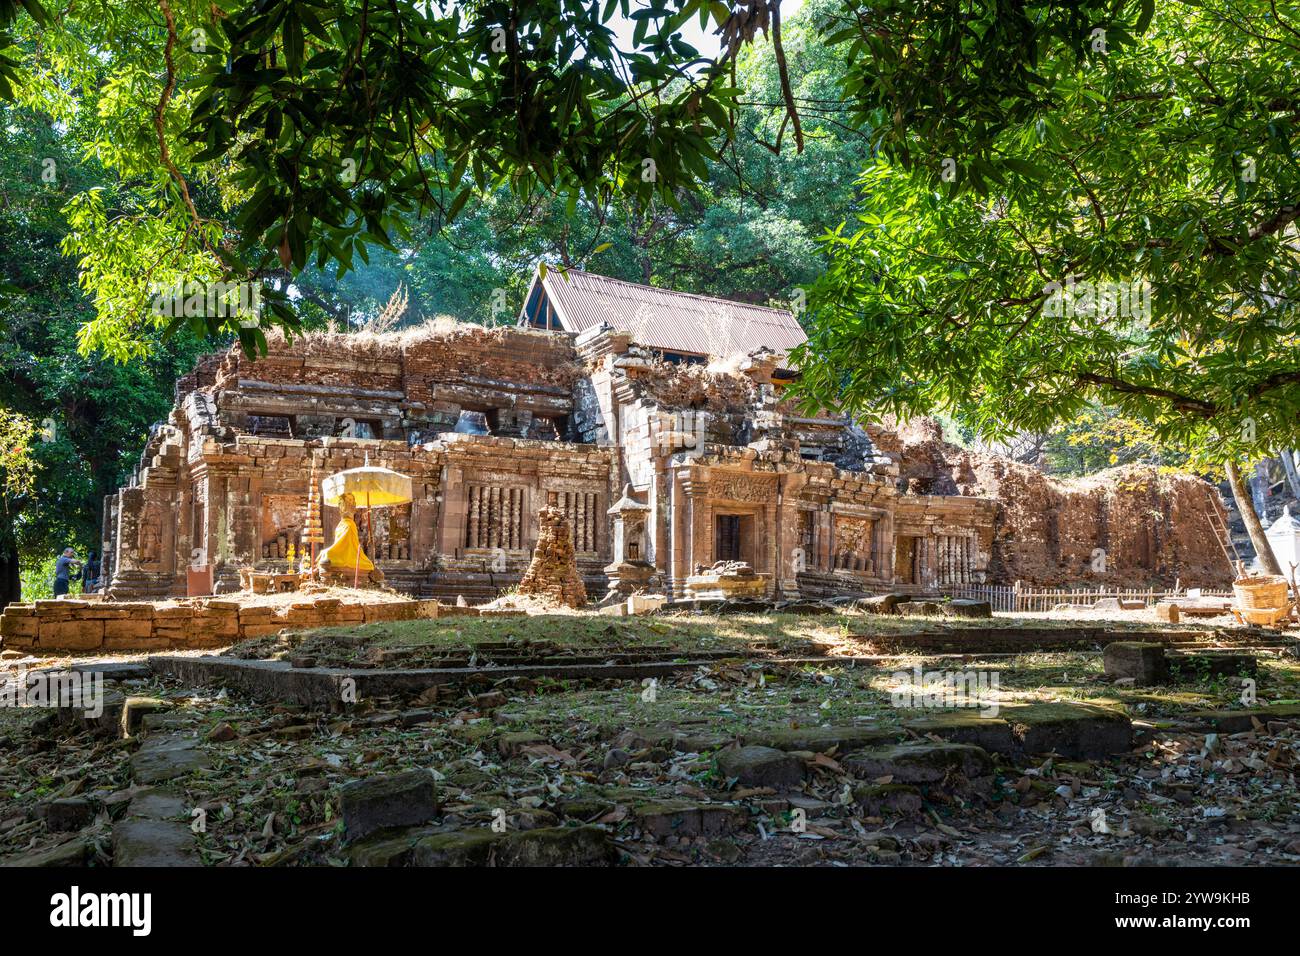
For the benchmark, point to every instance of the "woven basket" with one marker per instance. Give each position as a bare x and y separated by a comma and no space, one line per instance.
1263,593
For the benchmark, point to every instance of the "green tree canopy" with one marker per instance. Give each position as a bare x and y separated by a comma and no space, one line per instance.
1122,231
256,139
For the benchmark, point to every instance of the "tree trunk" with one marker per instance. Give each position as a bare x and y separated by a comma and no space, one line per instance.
1259,488
1254,528
10,583
1288,465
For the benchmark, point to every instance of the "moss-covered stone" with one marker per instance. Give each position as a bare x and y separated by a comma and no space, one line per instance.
455,848
385,849
391,800
644,738
547,846
474,733
967,727
761,767
922,763
889,798
695,742
819,739
76,852
585,808
1138,661
512,744
1073,729
1237,721
666,818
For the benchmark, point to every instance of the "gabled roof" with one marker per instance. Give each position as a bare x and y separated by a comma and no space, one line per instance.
663,319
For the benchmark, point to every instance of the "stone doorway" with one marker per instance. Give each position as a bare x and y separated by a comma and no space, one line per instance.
906,560
733,538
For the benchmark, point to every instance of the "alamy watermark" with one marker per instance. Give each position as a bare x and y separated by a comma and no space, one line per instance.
1098,300
55,689
76,909
225,300
943,689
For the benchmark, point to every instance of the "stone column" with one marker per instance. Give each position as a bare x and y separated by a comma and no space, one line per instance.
451,513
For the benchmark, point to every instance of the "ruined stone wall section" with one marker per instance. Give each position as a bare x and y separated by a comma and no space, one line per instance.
1130,526
493,488
87,626
411,384
224,483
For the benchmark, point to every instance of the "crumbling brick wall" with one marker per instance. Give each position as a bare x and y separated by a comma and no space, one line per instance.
1151,524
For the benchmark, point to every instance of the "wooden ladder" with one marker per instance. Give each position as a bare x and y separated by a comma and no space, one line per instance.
1224,537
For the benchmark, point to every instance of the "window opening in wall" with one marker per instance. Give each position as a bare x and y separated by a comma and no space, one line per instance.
543,429
808,538
494,517
472,423
682,358
270,426
727,538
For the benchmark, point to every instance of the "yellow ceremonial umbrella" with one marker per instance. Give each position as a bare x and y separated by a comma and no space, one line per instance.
379,487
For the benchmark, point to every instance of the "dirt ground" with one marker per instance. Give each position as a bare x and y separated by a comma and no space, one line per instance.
642,759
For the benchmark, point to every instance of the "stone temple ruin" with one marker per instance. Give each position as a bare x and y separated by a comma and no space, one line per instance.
608,402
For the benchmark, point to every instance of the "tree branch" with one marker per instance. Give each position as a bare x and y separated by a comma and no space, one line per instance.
783,72
1186,403
159,115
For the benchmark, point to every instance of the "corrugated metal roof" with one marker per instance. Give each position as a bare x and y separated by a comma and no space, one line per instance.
663,319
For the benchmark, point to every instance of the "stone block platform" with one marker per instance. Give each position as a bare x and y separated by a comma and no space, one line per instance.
67,626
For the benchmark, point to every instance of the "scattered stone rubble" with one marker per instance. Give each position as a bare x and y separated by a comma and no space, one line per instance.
492,774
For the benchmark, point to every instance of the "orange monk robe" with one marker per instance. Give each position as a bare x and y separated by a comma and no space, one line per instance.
343,554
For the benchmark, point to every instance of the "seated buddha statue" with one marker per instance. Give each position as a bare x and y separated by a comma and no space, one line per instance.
345,557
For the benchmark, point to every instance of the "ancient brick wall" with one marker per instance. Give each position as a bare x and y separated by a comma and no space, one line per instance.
1134,525
84,626
224,483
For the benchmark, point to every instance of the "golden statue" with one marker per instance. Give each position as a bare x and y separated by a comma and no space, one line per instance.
345,559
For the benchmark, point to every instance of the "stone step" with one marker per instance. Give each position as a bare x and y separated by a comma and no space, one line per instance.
1238,721
546,846
156,831
386,801
1071,729
1146,664
819,739
901,778
922,763
684,818
166,757
755,766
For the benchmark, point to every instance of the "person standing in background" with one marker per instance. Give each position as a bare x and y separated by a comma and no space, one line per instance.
90,574
64,567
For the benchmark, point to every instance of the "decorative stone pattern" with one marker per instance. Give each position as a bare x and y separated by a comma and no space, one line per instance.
726,580
722,464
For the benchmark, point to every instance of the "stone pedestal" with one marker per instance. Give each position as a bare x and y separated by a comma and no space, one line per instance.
727,581
629,573
629,577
